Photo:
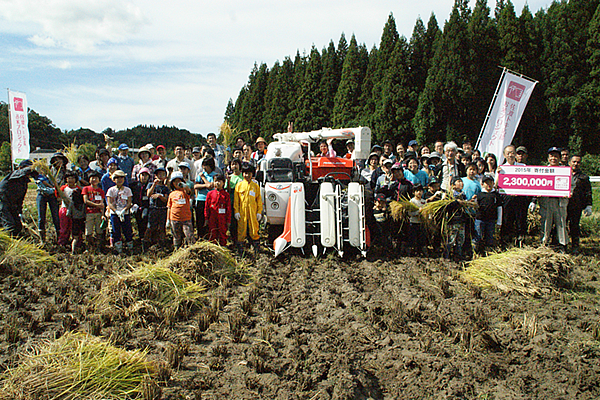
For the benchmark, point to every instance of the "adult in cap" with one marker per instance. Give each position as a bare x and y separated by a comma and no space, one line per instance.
161,161
413,145
125,161
13,189
377,149
145,162
522,155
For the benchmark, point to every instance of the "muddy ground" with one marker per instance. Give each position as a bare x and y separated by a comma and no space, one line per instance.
327,328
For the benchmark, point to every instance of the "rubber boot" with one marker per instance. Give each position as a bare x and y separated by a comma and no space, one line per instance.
256,245
119,247
42,234
129,247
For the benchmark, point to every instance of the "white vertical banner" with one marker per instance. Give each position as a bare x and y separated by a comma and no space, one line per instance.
19,130
504,116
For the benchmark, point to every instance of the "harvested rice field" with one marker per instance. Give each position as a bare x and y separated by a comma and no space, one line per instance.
199,324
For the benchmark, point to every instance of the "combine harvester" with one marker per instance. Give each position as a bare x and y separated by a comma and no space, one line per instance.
318,201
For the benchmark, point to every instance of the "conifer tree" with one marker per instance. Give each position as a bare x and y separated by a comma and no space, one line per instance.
332,73
310,110
346,103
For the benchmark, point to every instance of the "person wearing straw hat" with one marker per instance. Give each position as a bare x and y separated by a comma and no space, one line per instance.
145,162
261,150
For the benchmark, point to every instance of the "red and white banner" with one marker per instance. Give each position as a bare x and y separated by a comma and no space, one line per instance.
19,130
532,180
503,118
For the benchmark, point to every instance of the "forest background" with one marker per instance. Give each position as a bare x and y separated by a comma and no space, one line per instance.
437,84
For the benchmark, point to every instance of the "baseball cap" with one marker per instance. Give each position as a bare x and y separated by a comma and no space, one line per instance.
349,141
196,149
145,170
522,149
397,166
175,175
123,146
112,161
553,149
376,147
413,143
380,197
387,161
159,169
435,154
487,178
160,146
184,164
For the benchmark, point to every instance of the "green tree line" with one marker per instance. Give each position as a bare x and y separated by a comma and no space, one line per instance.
44,134
438,84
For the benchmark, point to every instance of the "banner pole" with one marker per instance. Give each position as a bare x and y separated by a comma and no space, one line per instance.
490,107
10,130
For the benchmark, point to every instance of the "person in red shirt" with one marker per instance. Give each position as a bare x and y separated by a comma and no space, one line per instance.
94,197
217,211
180,211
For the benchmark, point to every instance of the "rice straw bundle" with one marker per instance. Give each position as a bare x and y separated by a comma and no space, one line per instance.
77,366
438,214
43,168
528,271
226,134
400,210
150,287
20,252
207,263
71,153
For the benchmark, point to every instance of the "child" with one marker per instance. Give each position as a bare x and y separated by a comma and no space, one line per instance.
233,178
381,216
488,214
67,228
456,224
180,211
217,211
93,197
120,200
204,183
158,194
140,199
248,206
417,232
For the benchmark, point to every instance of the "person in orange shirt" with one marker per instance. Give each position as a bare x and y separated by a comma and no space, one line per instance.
180,212
217,211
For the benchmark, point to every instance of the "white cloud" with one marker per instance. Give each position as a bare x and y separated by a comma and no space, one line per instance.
78,25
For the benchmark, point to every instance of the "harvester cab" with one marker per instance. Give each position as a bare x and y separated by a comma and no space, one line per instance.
315,201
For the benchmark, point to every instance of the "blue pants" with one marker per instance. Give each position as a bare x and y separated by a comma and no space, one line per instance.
118,226
44,202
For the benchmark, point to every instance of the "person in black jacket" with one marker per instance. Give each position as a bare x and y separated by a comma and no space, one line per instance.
13,189
580,201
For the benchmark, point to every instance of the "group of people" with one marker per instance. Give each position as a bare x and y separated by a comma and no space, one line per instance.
417,174
209,192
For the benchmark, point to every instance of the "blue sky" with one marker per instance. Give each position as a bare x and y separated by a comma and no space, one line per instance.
108,63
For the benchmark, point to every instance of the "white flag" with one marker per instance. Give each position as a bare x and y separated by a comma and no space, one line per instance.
505,114
19,130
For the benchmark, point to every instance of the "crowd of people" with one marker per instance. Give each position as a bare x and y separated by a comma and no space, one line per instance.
210,192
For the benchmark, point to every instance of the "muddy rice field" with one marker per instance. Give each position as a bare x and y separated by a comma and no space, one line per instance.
328,328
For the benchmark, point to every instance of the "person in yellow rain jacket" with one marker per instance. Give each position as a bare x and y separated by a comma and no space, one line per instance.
247,206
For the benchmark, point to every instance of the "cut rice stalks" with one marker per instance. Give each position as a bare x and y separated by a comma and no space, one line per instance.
20,253
77,366
42,167
400,210
150,291
437,215
209,264
528,271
